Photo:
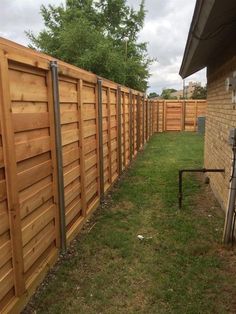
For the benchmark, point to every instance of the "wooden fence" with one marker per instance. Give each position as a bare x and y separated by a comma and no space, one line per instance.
176,115
65,137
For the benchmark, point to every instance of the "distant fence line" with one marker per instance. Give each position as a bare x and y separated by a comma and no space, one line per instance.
176,115
66,135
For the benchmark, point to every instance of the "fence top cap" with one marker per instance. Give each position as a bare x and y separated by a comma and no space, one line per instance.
53,63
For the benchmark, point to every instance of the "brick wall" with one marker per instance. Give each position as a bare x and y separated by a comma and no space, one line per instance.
221,117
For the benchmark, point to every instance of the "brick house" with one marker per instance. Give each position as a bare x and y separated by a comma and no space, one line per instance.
211,43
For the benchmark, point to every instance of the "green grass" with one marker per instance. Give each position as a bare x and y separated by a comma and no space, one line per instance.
179,267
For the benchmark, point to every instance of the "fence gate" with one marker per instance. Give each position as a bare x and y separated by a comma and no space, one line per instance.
173,116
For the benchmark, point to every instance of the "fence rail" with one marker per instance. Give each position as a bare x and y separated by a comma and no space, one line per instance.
65,137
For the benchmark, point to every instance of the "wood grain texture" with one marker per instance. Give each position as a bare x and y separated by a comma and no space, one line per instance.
176,115
29,213
11,178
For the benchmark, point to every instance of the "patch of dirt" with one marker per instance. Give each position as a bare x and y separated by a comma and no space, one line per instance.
122,206
205,200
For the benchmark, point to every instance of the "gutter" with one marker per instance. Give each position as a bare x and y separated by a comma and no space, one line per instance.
201,15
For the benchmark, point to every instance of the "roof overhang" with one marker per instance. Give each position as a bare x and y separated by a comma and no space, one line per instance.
212,30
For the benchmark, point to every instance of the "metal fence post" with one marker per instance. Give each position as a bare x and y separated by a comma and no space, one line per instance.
131,125
57,119
143,120
138,123
119,130
149,119
100,135
146,120
157,116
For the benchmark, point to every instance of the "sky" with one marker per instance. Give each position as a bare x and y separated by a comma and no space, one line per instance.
166,29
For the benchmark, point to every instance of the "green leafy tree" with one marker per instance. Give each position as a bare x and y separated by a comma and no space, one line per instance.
99,36
199,92
153,95
166,93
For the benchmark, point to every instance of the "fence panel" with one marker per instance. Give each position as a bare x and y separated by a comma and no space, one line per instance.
106,139
27,126
177,115
35,164
69,95
173,117
8,275
127,140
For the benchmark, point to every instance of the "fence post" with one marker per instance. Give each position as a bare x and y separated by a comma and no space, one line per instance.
138,122
100,136
57,119
150,118
157,116
134,110
151,110
109,131
195,116
124,129
153,117
119,130
165,117
183,115
131,125
146,119
143,120
7,130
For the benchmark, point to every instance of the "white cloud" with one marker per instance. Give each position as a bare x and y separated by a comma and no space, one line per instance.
166,29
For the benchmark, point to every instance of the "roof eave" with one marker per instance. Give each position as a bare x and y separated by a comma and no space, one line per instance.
200,17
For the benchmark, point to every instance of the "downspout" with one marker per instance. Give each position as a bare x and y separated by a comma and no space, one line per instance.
230,213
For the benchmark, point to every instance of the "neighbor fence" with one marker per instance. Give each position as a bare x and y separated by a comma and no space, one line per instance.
176,115
66,135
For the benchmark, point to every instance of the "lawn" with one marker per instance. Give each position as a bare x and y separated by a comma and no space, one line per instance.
178,267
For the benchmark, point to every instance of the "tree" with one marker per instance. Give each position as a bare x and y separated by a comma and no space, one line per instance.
99,36
199,92
166,93
153,95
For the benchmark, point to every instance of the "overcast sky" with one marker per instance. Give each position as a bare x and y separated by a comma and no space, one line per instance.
166,28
